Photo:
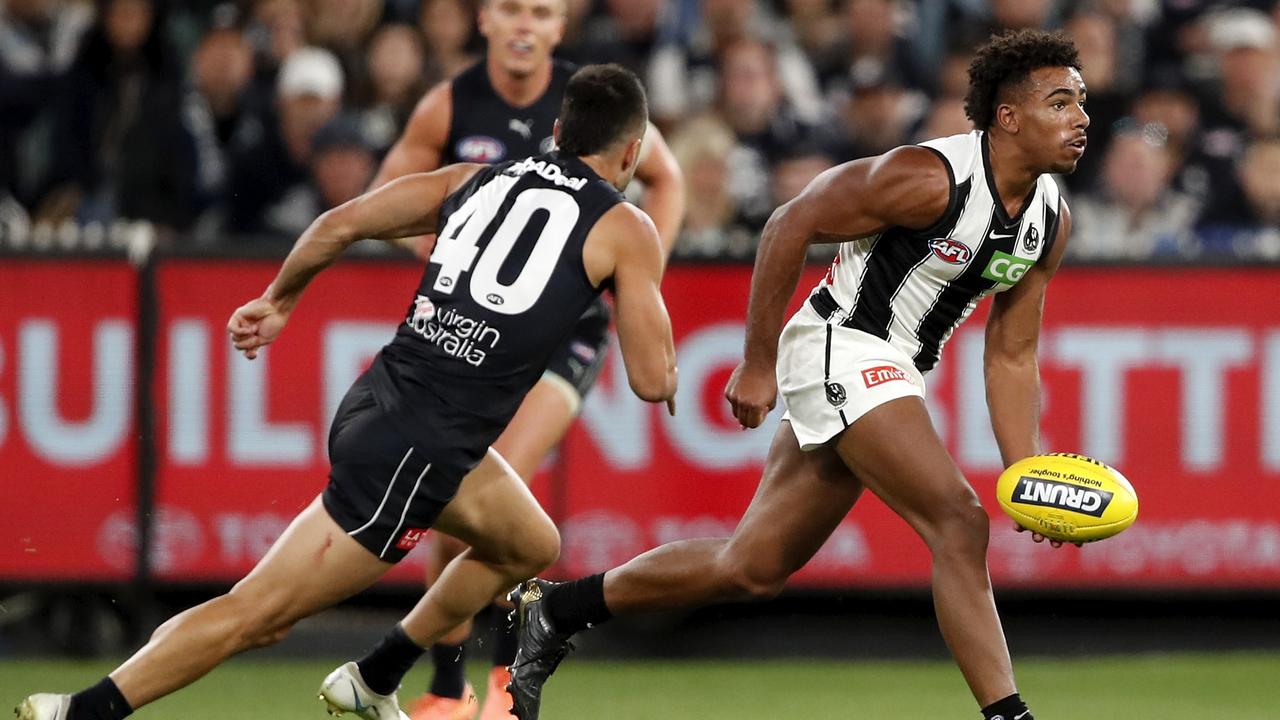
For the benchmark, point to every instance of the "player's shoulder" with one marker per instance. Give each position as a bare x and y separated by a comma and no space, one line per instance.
961,154
625,220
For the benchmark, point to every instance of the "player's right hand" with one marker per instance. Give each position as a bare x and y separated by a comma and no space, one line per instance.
255,324
752,393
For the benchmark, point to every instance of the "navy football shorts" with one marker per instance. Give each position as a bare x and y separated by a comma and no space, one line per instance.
383,490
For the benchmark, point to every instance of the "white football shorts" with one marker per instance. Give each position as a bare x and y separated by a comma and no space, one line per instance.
830,375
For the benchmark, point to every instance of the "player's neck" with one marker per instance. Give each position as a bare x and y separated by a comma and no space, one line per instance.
519,90
1012,172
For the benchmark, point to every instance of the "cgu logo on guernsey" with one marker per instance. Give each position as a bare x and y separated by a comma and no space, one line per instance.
1064,496
1006,269
453,332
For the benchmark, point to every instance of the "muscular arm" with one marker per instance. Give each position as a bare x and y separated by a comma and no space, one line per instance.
664,188
624,244
421,147
907,187
406,206
1011,370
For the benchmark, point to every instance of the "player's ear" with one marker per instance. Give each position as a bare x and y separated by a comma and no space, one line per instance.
1007,118
631,156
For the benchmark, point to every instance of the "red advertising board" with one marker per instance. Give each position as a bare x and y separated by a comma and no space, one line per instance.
67,454
1173,376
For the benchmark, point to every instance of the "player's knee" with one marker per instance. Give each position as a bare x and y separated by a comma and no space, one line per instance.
263,616
744,579
961,527
539,550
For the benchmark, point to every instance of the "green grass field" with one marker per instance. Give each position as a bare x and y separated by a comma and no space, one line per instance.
1164,687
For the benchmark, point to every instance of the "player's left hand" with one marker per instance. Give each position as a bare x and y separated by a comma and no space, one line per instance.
1040,538
255,324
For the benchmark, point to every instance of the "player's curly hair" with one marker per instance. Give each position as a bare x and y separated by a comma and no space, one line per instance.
1010,58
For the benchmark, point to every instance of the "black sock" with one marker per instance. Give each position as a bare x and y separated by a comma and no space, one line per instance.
577,605
385,665
450,677
1010,708
505,641
100,702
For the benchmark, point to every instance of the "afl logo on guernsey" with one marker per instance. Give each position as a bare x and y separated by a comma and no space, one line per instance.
481,149
950,251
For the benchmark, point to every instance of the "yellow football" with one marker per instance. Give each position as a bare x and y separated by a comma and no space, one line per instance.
1067,497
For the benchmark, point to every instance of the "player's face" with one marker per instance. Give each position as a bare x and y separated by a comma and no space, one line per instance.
522,33
1052,120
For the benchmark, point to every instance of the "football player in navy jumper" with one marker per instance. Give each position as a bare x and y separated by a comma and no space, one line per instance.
410,444
502,108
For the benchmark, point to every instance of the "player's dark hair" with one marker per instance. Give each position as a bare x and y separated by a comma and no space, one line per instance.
603,105
1009,59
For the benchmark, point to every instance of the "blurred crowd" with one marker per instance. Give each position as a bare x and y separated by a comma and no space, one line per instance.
227,123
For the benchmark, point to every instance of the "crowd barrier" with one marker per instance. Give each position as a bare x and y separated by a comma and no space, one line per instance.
129,428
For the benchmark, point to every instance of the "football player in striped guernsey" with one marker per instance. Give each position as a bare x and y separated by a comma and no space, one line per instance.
925,232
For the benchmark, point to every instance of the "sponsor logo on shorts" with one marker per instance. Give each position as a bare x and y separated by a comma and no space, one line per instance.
836,395
950,251
1064,496
1006,269
872,377
410,539
480,149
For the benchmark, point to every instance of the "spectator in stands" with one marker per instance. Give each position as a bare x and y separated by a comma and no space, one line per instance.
1168,101
1135,214
946,116
626,33
763,122
270,161
682,77
39,39
871,46
878,114
1248,61
395,61
702,146
275,30
341,165
221,70
816,27
123,149
449,28
1255,233
1095,37
342,26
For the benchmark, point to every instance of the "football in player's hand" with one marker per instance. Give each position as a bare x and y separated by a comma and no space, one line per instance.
1067,497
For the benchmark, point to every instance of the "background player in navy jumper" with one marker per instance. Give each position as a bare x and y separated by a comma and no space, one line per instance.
925,232
503,108
409,447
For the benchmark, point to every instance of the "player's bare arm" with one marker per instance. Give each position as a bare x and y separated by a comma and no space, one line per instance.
624,245
1011,370
405,207
664,187
421,147
907,187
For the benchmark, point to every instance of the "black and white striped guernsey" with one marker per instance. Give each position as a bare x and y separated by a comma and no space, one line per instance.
914,287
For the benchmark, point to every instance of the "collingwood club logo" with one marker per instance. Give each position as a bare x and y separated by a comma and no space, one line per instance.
1031,240
836,394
